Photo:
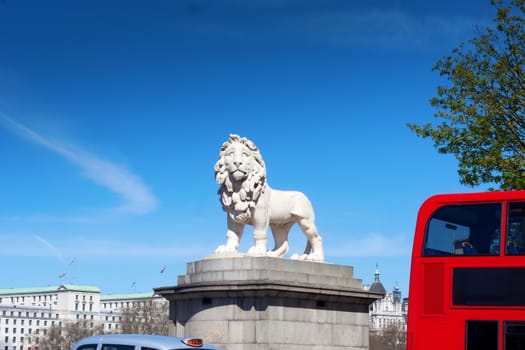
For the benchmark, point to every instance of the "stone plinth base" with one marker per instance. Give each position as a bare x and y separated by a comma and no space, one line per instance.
262,303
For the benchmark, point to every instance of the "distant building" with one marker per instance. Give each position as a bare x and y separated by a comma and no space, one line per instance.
112,306
27,313
391,310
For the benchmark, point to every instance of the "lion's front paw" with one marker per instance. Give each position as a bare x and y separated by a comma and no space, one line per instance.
308,257
224,248
315,257
299,257
257,251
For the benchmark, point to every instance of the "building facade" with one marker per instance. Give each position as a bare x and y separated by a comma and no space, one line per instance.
27,313
387,312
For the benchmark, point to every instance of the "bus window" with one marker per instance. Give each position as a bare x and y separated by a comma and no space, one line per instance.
514,335
482,335
488,286
516,229
472,229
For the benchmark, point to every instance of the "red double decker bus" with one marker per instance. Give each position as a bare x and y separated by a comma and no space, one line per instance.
467,279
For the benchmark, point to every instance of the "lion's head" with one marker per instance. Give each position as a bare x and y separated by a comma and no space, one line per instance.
241,173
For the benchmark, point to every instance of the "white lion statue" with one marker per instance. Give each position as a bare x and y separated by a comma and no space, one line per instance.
248,200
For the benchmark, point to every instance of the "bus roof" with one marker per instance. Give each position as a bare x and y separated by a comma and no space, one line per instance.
474,197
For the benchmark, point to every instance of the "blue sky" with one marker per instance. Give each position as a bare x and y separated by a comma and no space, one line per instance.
112,114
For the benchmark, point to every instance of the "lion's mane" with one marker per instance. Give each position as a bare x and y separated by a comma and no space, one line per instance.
238,197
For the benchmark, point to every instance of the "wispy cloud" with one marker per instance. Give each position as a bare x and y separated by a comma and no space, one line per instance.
383,26
137,198
388,29
373,244
22,245
51,248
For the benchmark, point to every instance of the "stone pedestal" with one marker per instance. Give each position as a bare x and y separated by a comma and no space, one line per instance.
262,303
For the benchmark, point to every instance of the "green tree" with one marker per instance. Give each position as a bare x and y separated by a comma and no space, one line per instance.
482,108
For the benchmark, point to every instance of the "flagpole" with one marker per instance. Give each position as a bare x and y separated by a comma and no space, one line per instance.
73,263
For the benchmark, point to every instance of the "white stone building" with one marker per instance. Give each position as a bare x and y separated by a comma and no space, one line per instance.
391,310
26,313
111,307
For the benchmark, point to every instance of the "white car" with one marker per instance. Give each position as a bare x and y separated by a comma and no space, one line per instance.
140,342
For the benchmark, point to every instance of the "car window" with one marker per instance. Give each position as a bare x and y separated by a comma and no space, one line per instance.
117,347
88,347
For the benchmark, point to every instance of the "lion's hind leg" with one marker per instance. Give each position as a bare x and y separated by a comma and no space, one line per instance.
314,247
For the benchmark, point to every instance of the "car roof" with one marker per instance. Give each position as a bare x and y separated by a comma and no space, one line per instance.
160,342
